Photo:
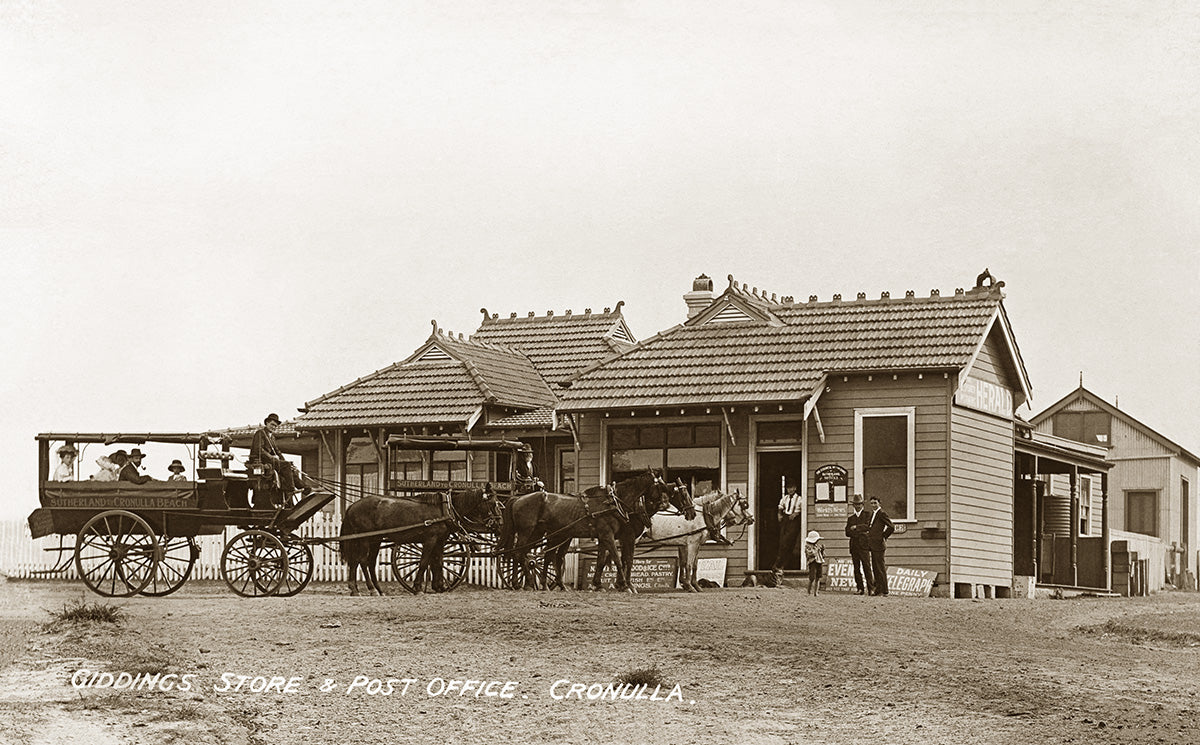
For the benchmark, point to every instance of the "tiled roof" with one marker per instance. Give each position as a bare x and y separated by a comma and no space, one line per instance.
559,345
538,418
446,380
786,348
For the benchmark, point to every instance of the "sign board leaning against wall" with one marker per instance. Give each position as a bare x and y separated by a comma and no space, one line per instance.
910,583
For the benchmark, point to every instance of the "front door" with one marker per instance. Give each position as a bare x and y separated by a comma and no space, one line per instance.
774,471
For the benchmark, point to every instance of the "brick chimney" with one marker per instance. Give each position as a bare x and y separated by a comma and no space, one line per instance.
701,295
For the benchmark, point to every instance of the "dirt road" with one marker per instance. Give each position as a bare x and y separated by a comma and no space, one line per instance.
749,665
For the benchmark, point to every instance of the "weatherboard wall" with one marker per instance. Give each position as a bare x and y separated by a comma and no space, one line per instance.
927,393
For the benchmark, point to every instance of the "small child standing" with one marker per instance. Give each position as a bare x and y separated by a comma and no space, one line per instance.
814,552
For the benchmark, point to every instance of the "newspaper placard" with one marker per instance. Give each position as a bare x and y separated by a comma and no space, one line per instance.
911,583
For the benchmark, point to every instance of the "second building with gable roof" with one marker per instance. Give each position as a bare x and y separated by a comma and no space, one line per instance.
912,398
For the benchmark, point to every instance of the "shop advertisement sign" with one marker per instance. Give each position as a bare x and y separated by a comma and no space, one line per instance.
986,397
831,483
829,510
648,573
712,570
902,582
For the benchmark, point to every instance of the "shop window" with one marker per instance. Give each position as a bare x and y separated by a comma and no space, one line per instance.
362,479
1141,512
407,465
884,458
1085,505
691,452
448,466
1092,427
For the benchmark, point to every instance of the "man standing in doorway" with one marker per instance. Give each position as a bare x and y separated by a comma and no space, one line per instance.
791,507
880,529
858,528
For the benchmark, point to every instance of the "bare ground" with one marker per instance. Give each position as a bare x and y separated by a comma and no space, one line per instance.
753,665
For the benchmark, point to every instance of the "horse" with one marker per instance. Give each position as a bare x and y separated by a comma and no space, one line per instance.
600,513
429,519
687,534
668,495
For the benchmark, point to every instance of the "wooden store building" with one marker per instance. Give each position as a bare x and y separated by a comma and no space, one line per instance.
910,399
499,383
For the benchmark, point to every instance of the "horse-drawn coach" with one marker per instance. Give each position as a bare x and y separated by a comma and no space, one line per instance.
136,535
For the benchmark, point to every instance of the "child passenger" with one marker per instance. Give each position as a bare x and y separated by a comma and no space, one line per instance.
814,552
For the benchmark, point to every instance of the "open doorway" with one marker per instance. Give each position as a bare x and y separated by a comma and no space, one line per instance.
775,469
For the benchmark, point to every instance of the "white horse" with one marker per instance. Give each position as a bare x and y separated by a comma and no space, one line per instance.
717,509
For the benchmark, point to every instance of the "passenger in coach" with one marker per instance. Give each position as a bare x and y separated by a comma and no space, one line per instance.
66,468
129,471
176,469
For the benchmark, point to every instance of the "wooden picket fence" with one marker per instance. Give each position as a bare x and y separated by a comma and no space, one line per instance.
22,557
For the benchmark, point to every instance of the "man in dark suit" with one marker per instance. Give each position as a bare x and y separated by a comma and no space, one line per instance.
880,528
858,525
129,471
264,450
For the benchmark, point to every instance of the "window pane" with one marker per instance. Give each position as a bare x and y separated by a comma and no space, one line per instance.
1095,427
566,471
779,433
708,435
693,458
652,437
1069,425
1141,512
621,438
885,440
679,436
700,481
890,485
636,460
360,450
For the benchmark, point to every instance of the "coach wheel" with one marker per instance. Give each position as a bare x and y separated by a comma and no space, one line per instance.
537,573
456,560
254,563
116,554
299,566
176,556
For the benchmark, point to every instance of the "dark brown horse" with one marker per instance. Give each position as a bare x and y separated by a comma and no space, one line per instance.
662,495
428,519
601,513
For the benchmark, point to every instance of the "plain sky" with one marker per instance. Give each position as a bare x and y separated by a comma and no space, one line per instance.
209,211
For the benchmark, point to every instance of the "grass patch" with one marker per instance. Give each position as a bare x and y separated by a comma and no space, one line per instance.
81,613
647,676
1143,635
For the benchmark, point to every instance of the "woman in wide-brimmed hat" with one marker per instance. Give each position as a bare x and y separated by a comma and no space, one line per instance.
66,469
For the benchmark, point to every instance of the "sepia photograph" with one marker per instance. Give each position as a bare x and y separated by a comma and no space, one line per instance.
599,372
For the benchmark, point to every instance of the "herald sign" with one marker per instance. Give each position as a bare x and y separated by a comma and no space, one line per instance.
986,397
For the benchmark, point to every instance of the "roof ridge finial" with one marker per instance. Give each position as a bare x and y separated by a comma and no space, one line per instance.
485,314
436,331
620,304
